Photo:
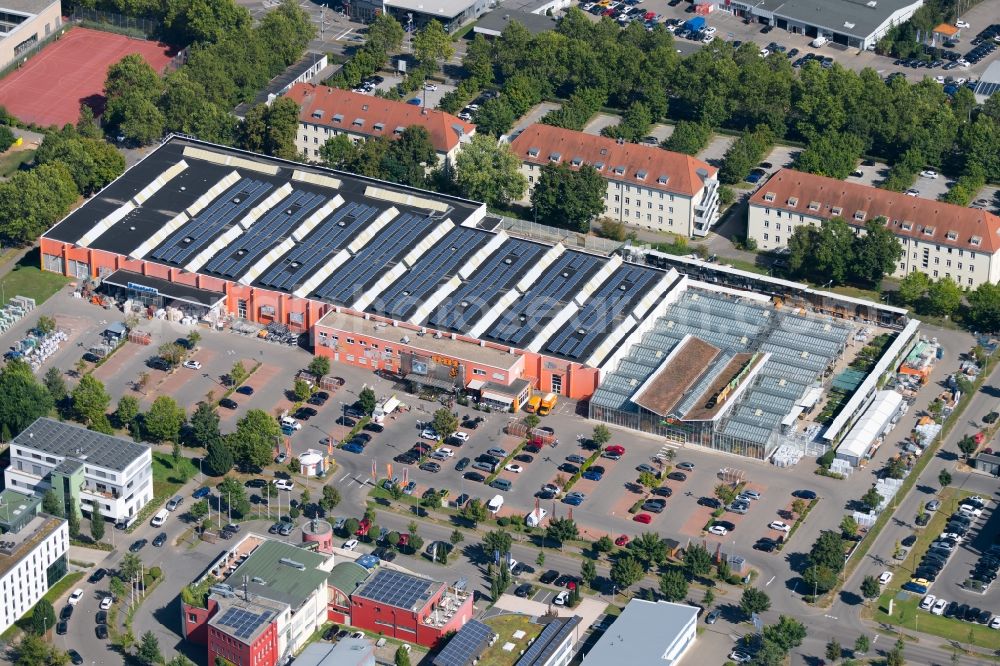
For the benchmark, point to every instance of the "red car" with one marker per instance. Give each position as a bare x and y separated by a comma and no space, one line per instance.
363,527
621,541
643,518
615,449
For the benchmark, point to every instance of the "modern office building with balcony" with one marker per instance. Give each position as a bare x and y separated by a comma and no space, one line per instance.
82,467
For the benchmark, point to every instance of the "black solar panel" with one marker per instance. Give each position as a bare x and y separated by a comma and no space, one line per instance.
466,646
495,276
557,285
551,639
436,265
987,88
264,234
397,589
328,238
625,286
243,622
374,258
222,211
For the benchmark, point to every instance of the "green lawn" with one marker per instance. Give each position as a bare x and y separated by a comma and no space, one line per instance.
12,161
505,626
27,279
855,292
906,614
169,475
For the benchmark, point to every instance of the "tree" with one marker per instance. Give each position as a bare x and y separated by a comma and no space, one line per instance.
199,510
402,657
625,571
149,649
93,163
588,572
385,34
875,253
234,495
238,374
697,560
604,544
754,600
256,435
127,411
319,366
271,128
895,657
456,537
474,511
32,650
708,599
648,549
967,445
834,154
43,617
895,467
820,577
787,633
828,550
495,117
330,499
22,398
833,650
351,526
871,499
984,307
497,541
96,522
601,435
943,297
90,400
798,506
648,479
488,171
861,645
163,421
301,389
913,287
745,153
849,526
31,201
219,456
725,492
444,422
944,478
432,44
870,588
51,504
367,400
180,660
688,137
55,384
673,585
339,152
204,425
568,198
561,530
634,125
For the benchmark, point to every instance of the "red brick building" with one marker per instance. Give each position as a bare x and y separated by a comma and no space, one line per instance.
245,633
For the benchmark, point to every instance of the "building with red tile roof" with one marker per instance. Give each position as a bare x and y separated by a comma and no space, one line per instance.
325,112
940,239
648,187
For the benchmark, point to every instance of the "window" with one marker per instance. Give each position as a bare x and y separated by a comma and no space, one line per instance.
765,237
477,371
767,224
777,239
769,196
350,341
241,308
557,382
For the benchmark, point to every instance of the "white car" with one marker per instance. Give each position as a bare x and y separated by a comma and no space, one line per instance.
517,469
885,578
951,536
193,365
764,53
106,602
461,436
711,30
446,452
971,510
995,622
929,173
780,526
561,599
739,657
912,193
74,598
718,530
939,606
350,544
939,79
430,86
429,434
283,484
927,602
962,24
708,39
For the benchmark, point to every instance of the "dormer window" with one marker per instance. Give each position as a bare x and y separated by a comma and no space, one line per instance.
929,231
532,152
641,174
577,161
358,122
793,201
379,127
598,166
619,170
662,180
318,113
769,196
399,130
338,117
976,240
836,210
907,226
859,215
951,235
813,205
555,157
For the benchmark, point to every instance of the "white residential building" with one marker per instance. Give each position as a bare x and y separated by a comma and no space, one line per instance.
939,239
648,187
83,466
33,549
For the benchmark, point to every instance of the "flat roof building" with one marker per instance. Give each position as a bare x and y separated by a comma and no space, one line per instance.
302,71
24,24
648,633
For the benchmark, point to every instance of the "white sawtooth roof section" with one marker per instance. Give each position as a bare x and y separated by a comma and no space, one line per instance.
476,260
213,193
372,229
265,262
217,245
313,220
394,196
557,322
316,179
101,227
435,299
660,288
428,241
158,182
531,277
599,278
380,285
611,340
322,274
164,232
494,313
267,204
646,324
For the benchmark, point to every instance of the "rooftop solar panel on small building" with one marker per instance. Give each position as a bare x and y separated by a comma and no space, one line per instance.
466,646
243,622
397,589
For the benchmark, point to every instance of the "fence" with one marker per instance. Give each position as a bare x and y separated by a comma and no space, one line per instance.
131,26
25,54
557,235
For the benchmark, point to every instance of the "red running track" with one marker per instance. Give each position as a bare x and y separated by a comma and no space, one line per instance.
51,86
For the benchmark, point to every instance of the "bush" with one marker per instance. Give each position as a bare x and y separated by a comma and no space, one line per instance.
689,137
503,521
7,138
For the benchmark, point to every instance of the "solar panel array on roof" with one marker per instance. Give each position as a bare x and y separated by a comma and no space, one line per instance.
626,285
264,234
224,210
397,589
357,273
440,262
492,279
466,646
243,622
557,285
551,639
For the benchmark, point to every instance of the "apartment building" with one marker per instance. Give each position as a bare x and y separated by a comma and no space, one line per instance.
82,467
939,239
325,112
648,187
33,549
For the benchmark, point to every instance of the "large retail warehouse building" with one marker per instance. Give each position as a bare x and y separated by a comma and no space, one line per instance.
430,288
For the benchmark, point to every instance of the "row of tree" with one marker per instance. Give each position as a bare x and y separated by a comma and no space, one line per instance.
834,252
943,297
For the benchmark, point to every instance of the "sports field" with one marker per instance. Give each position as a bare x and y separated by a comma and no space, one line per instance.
50,87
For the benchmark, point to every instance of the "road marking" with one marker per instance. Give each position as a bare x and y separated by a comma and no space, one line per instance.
769,582
344,34
832,617
344,477
874,639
